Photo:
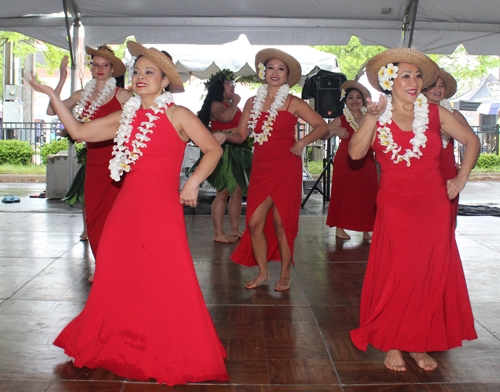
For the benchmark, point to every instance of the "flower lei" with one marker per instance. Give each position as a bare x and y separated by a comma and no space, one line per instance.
447,105
123,157
350,118
386,75
420,121
88,90
258,102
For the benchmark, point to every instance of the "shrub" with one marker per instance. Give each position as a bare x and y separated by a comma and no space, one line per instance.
488,161
57,145
15,152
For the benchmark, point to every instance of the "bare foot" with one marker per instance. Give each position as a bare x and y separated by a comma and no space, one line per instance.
424,361
258,280
366,235
236,233
394,361
342,234
225,239
83,236
283,284
91,278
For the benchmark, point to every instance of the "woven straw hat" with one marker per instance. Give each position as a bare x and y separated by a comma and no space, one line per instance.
294,69
428,67
161,61
450,83
358,86
107,53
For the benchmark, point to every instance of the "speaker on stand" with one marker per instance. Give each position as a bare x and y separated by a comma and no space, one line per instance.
324,88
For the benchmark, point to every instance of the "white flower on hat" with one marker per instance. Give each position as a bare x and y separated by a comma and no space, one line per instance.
342,95
262,71
88,60
386,75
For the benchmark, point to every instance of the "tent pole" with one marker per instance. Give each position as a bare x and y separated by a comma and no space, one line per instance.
409,23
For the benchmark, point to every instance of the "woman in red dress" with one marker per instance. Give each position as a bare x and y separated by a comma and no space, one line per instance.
414,296
100,97
145,316
274,192
354,183
220,113
438,92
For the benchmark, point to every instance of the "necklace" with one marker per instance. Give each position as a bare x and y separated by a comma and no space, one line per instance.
350,118
123,157
447,105
420,121
258,103
88,90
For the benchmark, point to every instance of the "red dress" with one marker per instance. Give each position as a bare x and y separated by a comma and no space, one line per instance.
414,294
449,171
100,190
145,316
276,172
217,126
354,188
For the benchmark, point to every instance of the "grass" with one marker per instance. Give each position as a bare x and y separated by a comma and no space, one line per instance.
22,169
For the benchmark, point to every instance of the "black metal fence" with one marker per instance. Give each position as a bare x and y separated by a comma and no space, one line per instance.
489,138
35,133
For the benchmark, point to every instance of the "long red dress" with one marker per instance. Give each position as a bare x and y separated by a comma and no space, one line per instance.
276,172
449,171
414,295
145,316
354,188
100,190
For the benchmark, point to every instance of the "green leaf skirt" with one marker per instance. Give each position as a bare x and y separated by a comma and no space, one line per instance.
76,190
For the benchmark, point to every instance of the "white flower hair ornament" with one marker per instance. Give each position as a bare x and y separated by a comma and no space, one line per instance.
88,61
262,71
386,76
342,95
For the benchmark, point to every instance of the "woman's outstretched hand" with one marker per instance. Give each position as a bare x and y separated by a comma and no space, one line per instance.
376,108
63,69
41,88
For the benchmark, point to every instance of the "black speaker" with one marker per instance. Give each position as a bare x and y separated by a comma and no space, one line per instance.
324,87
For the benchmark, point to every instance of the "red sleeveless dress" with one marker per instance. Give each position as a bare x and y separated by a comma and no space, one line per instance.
217,126
145,316
354,188
276,172
414,294
449,171
100,189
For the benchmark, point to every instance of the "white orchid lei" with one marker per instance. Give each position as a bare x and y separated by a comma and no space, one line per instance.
447,105
386,75
420,121
258,103
88,90
123,157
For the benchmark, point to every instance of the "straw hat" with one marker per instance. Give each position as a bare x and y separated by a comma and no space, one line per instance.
294,69
428,67
450,83
356,85
161,61
106,53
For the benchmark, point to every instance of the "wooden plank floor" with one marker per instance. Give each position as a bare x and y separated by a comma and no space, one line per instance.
276,342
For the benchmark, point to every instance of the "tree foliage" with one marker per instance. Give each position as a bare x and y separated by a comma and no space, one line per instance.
353,56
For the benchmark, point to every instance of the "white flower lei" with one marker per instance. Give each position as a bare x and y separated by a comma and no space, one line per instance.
350,118
420,121
123,157
447,105
258,102
88,90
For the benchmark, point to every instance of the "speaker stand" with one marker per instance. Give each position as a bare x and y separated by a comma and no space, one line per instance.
325,176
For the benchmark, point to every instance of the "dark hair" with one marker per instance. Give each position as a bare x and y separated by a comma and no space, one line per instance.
351,89
120,81
162,73
214,93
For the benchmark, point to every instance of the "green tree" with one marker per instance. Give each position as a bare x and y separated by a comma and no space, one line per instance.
23,45
353,56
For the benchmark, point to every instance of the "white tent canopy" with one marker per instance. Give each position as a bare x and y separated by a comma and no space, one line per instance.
239,56
433,26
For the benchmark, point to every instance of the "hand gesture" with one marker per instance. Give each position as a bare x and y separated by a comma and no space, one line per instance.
42,88
376,108
189,194
63,69
297,148
221,137
454,186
